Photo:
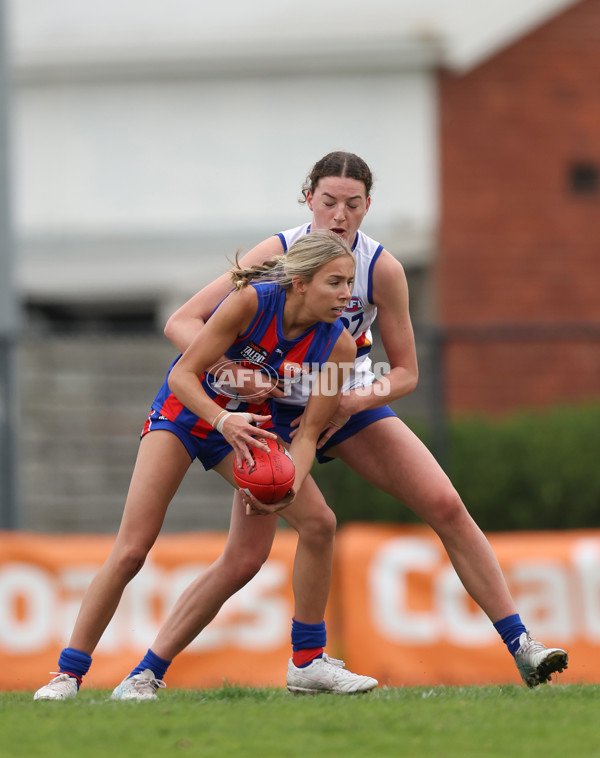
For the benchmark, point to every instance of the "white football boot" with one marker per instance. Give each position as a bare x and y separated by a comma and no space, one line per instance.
62,687
327,675
138,687
536,662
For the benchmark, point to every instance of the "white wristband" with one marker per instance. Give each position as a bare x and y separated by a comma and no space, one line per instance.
223,416
221,421
213,423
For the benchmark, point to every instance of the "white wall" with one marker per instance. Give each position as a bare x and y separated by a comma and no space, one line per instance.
196,157
135,180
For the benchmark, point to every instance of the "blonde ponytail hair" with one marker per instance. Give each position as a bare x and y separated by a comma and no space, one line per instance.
303,259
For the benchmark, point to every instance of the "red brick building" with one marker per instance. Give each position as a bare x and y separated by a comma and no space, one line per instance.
518,272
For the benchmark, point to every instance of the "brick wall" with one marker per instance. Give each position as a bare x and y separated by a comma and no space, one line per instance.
518,246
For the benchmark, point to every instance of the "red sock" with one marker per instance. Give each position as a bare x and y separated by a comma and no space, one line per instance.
303,657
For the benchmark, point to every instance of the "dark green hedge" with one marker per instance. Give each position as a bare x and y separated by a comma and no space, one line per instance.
537,470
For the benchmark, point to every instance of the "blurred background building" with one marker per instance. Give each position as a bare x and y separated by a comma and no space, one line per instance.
151,141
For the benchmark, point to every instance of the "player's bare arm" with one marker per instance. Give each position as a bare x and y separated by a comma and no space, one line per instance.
232,317
391,298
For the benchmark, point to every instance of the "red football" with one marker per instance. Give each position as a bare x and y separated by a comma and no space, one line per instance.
271,475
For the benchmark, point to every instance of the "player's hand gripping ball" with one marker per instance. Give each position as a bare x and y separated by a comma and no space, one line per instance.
270,476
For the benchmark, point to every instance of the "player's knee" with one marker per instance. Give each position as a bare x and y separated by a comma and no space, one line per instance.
450,509
319,528
130,560
246,565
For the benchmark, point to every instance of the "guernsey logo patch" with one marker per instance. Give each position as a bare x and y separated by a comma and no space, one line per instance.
254,353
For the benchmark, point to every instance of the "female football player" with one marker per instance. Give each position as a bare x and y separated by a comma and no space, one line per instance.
338,193
291,304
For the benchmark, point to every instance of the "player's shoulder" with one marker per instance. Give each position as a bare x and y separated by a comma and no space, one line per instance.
389,278
387,266
387,263
243,298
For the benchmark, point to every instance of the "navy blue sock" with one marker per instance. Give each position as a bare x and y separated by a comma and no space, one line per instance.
74,662
510,629
158,666
310,638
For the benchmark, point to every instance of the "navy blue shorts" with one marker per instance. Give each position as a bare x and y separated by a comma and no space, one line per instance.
209,450
283,415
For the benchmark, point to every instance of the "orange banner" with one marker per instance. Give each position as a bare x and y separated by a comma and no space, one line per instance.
397,611
43,578
408,621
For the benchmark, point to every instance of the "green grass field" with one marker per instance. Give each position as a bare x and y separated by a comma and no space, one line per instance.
440,722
